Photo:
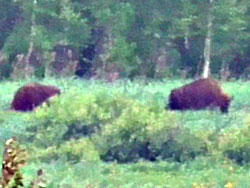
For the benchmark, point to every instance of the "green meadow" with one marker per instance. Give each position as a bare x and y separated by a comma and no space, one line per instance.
98,134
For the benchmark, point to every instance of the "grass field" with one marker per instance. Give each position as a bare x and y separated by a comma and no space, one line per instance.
212,168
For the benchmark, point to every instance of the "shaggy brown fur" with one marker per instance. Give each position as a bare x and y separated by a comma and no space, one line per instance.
199,95
32,95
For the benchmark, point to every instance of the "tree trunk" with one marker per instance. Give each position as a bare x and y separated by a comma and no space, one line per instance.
225,72
28,69
106,55
207,48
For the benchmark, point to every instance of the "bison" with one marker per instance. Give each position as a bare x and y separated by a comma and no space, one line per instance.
32,95
199,94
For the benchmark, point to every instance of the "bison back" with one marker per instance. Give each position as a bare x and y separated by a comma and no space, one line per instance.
198,95
32,95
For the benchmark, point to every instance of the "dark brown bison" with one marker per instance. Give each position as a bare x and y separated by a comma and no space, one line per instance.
198,95
32,95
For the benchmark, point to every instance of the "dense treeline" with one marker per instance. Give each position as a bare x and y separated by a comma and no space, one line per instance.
110,39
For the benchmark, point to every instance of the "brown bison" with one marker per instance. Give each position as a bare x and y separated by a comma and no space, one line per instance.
32,95
198,95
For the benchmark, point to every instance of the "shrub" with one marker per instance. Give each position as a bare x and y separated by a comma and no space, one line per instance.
13,160
73,150
127,138
121,128
142,131
71,115
188,143
235,143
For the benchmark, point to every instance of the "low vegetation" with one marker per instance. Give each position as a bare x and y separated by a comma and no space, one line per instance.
99,134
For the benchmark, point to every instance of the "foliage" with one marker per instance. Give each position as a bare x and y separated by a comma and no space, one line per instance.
13,160
120,128
39,182
72,150
74,118
133,35
131,135
186,149
235,143
204,171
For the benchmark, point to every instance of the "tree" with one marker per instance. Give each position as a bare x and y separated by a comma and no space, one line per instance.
131,37
44,25
207,48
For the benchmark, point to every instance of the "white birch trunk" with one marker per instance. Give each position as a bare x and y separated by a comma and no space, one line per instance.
186,42
107,47
207,48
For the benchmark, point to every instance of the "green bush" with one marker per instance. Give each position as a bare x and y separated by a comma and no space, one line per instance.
188,143
129,137
70,115
235,142
144,131
121,128
74,115
73,150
